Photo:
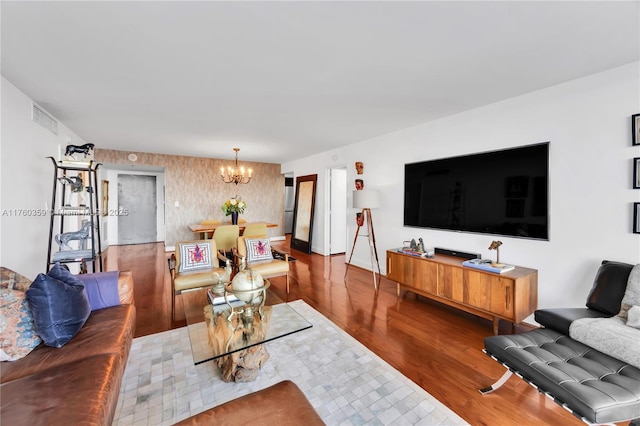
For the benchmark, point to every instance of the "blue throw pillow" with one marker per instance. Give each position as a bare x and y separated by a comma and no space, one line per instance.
102,289
60,308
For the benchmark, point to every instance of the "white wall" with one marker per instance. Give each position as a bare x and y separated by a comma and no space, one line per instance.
26,180
588,124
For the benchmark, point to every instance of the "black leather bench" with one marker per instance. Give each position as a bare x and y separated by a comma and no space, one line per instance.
594,386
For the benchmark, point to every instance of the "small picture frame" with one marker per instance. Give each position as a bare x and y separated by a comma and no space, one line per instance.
636,173
636,218
105,198
635,129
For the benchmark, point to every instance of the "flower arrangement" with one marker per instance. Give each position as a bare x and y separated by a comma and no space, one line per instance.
233,205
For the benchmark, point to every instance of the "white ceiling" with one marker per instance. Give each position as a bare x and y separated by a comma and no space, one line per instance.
284,80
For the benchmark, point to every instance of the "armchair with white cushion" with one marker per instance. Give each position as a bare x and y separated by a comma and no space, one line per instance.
195,264
257,254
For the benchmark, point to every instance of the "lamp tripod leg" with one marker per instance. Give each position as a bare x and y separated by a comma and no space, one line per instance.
355,238
373,250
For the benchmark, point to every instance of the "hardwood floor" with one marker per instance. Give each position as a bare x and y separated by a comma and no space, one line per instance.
438,347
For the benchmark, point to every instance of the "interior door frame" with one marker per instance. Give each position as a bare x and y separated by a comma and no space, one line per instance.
110,172
336,217
303,210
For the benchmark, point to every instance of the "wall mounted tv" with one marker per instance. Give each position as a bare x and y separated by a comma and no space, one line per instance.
500,192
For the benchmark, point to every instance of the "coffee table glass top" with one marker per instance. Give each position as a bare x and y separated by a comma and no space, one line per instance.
207,344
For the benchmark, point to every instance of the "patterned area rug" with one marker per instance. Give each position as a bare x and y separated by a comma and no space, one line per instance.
345,382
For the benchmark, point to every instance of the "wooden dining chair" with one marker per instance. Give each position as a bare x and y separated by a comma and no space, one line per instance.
253,229
226,237
208,222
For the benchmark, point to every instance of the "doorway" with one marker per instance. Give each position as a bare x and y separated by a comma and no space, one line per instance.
338,211
138,209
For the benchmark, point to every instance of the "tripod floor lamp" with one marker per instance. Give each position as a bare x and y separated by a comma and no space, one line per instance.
366,200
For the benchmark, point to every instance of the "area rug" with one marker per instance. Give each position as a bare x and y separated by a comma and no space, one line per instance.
345,382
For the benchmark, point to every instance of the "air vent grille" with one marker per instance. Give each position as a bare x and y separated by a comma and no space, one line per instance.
43,118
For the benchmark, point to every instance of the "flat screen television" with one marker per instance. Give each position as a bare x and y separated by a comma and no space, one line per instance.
500,192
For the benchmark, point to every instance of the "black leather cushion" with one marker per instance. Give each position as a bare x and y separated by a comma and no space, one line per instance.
560,319
609,287
594,385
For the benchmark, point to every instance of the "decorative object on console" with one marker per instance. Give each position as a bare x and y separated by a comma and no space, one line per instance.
636,173
457,253
235,174
366,200
495,245
487,265
635,129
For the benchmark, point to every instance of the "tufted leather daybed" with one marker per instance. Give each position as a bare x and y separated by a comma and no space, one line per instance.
594,386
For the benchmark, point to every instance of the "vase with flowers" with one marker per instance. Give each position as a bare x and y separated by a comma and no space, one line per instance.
234,206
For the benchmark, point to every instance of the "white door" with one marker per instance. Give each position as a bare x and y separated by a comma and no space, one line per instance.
338,211
137,206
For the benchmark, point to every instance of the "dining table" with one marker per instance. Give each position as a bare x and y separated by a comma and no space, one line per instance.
204,230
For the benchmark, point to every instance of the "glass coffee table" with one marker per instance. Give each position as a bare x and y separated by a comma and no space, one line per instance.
224,335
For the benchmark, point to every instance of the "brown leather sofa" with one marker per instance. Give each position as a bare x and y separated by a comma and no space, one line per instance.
78,383
282,404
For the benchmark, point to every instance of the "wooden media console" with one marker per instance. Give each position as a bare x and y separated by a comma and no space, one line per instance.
512,295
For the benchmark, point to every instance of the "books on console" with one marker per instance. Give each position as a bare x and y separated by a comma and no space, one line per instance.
413,252
486,265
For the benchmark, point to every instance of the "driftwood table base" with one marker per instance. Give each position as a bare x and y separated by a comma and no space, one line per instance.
226,336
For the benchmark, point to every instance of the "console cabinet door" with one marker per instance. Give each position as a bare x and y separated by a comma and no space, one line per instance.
450,282
425,276
399,268
502,297
477,289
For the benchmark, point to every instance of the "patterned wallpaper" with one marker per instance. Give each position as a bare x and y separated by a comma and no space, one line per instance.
195,183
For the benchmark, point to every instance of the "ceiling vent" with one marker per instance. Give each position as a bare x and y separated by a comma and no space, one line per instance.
43,118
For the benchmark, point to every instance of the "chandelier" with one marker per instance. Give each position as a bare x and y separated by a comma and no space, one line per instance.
234,174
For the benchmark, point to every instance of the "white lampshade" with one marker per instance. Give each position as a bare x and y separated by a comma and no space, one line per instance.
366,199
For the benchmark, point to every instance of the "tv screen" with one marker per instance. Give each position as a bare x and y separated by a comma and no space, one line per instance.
500,192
